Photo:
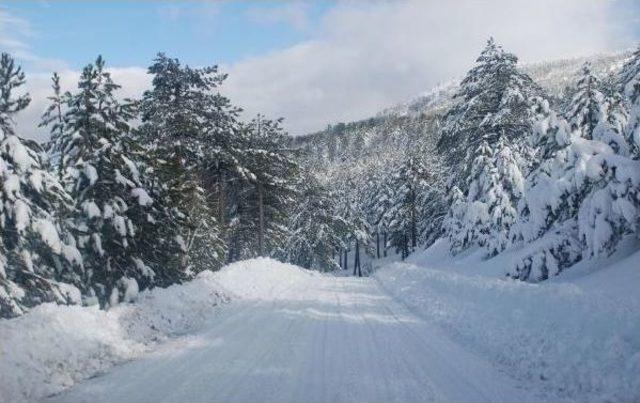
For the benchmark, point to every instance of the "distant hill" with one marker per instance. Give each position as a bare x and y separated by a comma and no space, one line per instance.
399,126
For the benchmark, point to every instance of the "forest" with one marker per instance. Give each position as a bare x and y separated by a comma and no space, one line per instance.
132,194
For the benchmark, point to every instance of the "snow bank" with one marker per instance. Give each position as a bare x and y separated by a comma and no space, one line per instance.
577,339
260,278
54,346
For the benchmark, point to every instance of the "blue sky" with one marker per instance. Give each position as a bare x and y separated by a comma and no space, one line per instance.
312,62
130,33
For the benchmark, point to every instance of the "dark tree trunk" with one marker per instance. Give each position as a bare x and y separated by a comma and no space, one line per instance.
384,246
221,198
356,263
346,262
378,245
414,225
404,246
260,220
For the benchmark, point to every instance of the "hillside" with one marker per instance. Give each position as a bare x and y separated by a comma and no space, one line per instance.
399,123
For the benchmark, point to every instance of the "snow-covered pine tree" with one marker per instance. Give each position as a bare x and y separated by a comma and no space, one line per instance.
53,117
584,110
475,226
547,224
315,235
264,187
105,178
33,258
413,206
349,207
454,221
607,202
630,86
486,141
579,199
183,124
494,101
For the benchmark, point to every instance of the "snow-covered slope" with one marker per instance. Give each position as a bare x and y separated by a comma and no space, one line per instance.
554,76
577,338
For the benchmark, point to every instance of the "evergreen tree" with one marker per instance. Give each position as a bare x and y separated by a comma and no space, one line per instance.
105,179
630,85
185,127
495,101
53,117
265,190
486,141
33,257
315,234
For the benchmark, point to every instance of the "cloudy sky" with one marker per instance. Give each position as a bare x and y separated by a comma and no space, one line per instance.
313,63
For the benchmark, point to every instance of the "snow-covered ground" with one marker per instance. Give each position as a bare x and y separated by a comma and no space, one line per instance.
296,336
432,328
576,336
54,346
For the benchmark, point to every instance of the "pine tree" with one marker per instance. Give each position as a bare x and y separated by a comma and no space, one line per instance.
185,128
265,191
547,214
486,142
579,198
584,111
105,178
33,257
630,85
53,117
495,100
315,234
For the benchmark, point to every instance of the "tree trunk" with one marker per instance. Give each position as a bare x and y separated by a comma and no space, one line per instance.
384,246
414,225
346,262
356,262
220,198
378,245
260,220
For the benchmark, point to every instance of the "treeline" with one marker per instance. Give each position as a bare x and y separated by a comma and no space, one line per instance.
131,194
507,166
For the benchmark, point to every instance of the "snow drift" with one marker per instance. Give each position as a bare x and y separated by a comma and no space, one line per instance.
577,340
53,346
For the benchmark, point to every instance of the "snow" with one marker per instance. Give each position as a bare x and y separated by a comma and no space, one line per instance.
22,215
91,209
18,153
53,346
91,173
49,234
143,197
434,328
293,335
576,337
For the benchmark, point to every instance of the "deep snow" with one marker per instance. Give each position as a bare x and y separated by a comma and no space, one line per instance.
432,328
53,346
576,336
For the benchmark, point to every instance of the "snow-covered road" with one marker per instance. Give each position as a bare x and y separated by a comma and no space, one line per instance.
321,339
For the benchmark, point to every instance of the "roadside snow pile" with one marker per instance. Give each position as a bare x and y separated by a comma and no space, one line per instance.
261,278
53,346
577,339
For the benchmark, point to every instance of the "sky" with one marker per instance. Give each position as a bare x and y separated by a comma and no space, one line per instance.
313,63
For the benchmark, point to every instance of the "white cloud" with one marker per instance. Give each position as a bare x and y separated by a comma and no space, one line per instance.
368,56
294,14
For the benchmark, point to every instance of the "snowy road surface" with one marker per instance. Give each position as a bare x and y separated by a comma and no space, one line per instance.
326,339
